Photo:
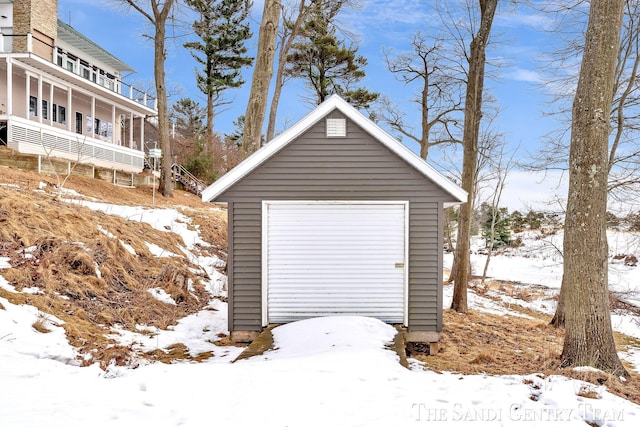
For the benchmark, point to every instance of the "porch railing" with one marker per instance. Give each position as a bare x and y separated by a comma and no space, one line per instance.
28,137
27,43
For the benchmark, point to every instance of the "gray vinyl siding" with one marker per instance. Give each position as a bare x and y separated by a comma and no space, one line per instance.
314,167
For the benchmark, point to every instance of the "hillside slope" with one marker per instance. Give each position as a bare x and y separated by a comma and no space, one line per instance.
81,254
126,283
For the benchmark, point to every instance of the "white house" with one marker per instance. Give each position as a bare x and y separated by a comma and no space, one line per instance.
61,95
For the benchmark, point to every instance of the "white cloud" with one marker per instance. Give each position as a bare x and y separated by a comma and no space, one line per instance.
535,21
523,75
526,190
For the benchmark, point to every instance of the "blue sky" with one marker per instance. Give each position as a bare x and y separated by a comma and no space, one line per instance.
519,39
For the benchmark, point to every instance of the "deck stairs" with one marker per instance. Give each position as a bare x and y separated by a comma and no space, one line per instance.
187,179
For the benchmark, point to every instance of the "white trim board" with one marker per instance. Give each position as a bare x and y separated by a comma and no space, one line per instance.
334,102
379,287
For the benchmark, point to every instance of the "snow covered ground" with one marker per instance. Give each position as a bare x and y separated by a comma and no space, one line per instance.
335,371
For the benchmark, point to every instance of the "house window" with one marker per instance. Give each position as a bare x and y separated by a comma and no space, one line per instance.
89,125
45,109
59,114
70,66
79,122
62,114
33,106
336,127
103,128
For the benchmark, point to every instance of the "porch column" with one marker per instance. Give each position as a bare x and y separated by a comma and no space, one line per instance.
131,129
9,104
113,125
93,117
39,103
142,133
28,97
69,109
50,104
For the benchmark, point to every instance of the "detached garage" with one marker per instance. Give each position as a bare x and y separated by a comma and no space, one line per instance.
335,217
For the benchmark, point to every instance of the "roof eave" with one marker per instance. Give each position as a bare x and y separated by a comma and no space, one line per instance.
102,54
264,153
333,102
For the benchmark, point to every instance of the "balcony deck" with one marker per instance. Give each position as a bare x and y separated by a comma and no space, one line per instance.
76,71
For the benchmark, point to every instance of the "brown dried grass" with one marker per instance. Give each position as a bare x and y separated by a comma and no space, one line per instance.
476,342
479,342
89,280
40,325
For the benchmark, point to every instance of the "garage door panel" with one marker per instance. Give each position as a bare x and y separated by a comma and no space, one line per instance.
332,259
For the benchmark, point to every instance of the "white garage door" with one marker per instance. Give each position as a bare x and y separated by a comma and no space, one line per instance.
323,259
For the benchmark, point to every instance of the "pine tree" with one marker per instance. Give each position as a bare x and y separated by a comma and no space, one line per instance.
496,226
223,30
327,63
189,118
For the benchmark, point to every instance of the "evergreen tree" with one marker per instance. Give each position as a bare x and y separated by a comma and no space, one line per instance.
496,225
189,118
534,219
223,30
235,137
200,162
517,221
327,63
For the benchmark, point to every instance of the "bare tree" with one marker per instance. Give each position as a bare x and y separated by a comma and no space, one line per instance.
440,97
501,169
559,84
261,80
71,166
588,333
158,13
623,150
291,25
472,117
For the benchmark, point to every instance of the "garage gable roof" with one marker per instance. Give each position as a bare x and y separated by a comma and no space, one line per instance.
334,102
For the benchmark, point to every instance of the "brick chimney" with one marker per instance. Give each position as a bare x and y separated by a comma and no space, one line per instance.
40,19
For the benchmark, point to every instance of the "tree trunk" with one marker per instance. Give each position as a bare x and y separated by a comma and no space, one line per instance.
288,37
273,109
166,186
472,116
424,118
588,333
558,317
257,104
209,137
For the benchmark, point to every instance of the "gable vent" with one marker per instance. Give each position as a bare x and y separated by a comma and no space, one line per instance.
336,127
